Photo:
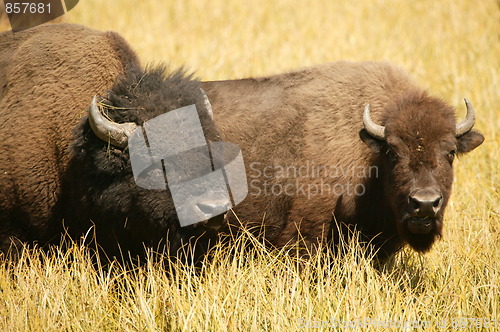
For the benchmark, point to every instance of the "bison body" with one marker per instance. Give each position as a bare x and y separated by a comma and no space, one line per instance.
316,172
48,75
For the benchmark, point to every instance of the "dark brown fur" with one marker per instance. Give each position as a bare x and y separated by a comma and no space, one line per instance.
314,117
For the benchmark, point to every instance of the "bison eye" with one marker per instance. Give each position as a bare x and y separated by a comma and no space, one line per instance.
451,155
393,156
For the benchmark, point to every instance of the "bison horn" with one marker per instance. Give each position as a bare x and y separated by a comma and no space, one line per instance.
470,119
116,134
208,106
375,130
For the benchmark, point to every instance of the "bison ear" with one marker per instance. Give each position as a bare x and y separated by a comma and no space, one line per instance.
469,141
374,144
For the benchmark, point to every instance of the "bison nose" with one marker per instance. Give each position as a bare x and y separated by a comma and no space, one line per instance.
425,203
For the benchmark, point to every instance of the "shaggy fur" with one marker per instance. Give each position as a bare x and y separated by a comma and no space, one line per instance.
100,180
312,119
48,76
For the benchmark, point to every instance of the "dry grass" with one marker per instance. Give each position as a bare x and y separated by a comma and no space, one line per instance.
451,47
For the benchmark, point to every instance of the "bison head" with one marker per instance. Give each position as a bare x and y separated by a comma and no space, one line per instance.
416,148
101,179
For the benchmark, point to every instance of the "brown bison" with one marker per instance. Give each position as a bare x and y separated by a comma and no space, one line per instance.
340,146
319,160
61,171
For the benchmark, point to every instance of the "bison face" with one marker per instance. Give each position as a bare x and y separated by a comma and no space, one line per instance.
416,149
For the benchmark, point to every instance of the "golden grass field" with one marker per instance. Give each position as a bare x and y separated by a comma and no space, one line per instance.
450,47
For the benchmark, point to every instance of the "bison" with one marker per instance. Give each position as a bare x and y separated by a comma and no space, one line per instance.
309,129
328,149
343,146
64,172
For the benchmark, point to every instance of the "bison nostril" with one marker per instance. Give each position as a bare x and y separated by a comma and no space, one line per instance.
425,203
414,204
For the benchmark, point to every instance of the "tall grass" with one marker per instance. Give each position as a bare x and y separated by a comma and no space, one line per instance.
450,47
246,289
